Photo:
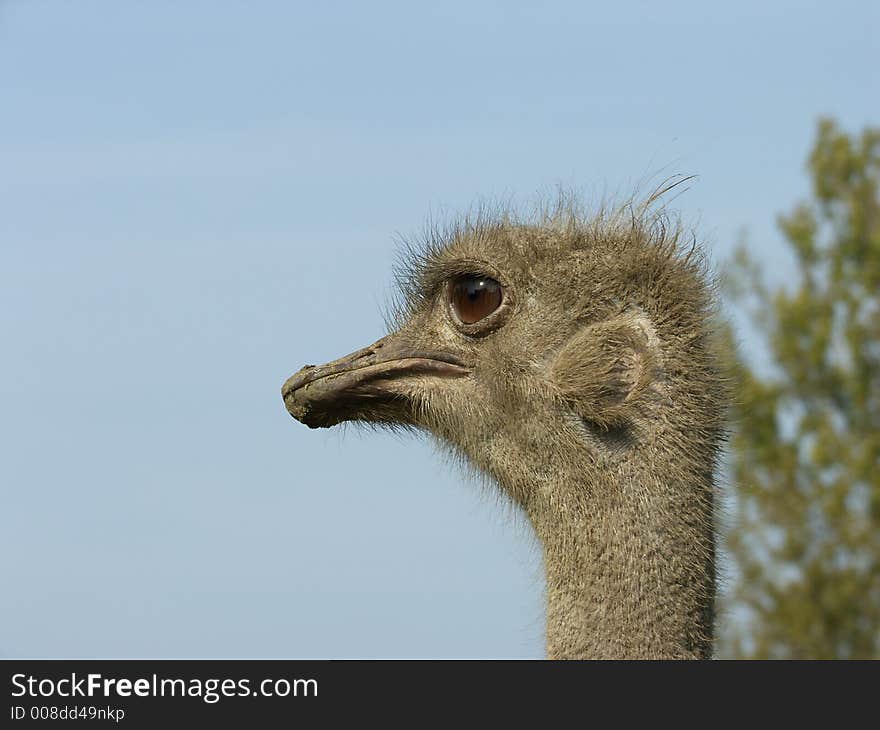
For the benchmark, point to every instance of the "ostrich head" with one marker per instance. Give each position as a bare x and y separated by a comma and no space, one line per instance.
570,359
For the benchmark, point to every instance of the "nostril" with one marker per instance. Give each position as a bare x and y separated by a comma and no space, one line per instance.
294,381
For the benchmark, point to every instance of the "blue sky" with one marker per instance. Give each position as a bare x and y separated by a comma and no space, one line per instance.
198,198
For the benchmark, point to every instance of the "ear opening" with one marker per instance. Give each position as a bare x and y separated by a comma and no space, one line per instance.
606,369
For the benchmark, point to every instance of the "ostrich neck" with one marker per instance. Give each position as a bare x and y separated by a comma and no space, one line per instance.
628,552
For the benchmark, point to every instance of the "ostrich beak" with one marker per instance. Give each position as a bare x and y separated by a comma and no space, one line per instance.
362,385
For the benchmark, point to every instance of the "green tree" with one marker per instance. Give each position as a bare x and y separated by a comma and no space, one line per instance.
805,528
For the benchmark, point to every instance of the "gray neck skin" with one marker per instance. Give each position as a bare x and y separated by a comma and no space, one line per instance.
628,551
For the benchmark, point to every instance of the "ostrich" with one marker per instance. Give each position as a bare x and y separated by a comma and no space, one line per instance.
571,359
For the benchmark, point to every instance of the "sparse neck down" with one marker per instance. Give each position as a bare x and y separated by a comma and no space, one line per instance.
629,557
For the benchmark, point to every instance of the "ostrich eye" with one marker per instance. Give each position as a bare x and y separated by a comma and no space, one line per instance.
475,297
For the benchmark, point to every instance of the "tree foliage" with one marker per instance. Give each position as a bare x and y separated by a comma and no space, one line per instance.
805,528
